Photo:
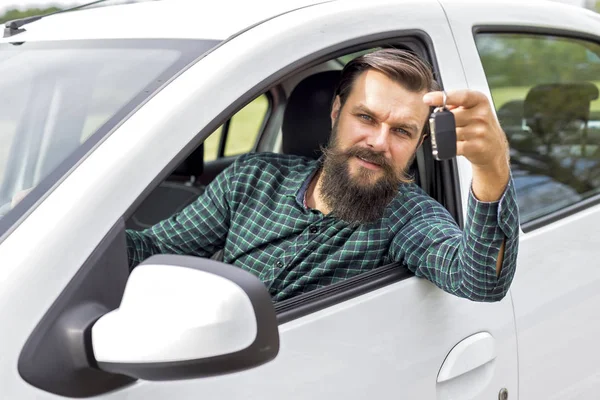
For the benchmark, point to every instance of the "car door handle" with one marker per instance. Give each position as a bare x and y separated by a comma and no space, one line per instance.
471,353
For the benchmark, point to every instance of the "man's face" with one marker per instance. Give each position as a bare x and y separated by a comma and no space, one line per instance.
374,138
382,122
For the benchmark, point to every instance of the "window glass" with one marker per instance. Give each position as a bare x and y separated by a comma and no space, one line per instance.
55,96
52,100
211,145
242,131
245,127
545,91
345,59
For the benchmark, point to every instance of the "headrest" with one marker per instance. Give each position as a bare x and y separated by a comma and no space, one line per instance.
551,105
193,165
307,121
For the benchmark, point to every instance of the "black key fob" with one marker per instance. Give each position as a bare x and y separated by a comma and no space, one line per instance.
443,134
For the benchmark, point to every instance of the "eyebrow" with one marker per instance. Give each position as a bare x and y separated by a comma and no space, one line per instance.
413,129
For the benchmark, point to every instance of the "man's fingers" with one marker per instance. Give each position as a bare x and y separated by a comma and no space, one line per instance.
463,134
462,116
458,98
460,147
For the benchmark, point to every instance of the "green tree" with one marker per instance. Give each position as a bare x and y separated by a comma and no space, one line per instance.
16,14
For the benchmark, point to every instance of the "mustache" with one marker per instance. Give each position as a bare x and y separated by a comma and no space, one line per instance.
366,154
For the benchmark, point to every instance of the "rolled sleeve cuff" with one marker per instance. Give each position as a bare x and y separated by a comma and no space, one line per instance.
488,225
494,220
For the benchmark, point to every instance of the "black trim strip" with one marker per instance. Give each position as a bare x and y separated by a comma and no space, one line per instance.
320,299
223,138
57,356
560,214
534,30
561,33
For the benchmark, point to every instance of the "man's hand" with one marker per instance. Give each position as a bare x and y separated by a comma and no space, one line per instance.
482,141
479,138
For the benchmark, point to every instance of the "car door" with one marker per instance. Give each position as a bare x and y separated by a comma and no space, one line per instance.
541,67
389,335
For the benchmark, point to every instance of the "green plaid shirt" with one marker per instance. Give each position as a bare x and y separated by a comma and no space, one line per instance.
254,210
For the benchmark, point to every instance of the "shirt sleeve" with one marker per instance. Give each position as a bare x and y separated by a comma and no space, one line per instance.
200,229
462,262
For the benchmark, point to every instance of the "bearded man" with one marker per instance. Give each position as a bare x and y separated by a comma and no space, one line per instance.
301,224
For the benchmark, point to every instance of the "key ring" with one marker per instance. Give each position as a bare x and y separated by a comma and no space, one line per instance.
442,108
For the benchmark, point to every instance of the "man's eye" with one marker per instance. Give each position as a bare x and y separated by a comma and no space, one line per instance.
401,131
365,117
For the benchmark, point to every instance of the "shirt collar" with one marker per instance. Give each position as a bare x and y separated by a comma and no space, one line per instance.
298,181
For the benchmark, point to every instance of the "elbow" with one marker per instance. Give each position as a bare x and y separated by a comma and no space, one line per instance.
487,296
492,291
495,295
491,287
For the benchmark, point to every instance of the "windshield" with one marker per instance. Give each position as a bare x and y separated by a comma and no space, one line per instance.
55,97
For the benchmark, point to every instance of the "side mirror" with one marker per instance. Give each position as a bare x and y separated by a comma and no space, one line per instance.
187,317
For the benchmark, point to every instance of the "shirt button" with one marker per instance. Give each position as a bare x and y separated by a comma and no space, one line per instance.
279,264
313,229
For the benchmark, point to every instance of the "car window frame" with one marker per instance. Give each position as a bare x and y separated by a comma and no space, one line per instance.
588,202
444,175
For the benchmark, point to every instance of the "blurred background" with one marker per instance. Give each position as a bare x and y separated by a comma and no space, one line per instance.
13,9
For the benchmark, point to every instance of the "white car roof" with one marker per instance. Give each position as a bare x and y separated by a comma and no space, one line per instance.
209,19
166,19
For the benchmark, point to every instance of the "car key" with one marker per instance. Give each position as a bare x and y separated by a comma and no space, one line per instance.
443,133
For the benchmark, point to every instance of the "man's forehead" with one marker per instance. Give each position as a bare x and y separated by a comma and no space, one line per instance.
372,82
377,92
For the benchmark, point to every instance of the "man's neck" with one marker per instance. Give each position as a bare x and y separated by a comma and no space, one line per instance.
313,194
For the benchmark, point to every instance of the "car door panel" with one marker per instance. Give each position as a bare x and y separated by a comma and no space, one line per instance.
555,287
390,343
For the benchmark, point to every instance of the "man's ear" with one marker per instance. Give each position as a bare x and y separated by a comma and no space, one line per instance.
422,139
425,132
335,110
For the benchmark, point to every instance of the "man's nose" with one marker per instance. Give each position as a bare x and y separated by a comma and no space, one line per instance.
378,139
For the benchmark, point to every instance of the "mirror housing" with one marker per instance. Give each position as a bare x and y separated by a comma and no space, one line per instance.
187,317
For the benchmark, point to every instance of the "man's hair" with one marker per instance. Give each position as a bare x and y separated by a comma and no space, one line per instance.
401,66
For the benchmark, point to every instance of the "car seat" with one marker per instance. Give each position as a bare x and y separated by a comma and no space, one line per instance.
558,115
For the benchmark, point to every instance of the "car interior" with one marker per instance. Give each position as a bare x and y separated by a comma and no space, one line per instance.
298,122
549,135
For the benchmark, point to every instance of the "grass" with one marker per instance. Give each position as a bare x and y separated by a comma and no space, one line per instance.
243,130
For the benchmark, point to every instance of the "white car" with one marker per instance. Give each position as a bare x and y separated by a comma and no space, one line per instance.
118,116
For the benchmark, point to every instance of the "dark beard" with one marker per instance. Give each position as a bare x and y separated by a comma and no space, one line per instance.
348,198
